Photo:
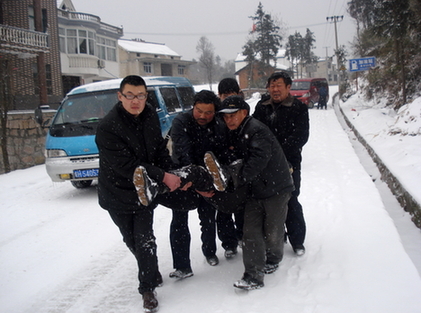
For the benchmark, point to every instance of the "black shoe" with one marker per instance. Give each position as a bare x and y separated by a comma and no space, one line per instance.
299,250
270,268
181,274
230,253
248,283
146,189
150,304
220,178
213,260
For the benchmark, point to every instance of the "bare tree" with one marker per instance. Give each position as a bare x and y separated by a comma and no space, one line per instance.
207,57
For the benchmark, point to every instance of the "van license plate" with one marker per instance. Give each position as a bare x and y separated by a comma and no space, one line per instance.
86,173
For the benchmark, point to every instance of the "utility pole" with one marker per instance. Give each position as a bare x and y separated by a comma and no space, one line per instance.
327,63
336,19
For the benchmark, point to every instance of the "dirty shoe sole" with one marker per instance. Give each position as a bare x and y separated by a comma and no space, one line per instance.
140,181
215,170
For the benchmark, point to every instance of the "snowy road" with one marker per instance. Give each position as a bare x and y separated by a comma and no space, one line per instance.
59,252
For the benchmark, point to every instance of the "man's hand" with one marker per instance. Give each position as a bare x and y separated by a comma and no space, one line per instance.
172,181
207,194
186,186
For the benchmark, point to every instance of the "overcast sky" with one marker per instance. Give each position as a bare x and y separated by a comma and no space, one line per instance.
226,23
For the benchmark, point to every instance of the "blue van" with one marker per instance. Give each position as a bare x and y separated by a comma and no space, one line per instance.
70,149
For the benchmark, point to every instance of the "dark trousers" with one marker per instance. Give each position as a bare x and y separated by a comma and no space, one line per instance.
180,237
138,235
230,230
295,223
263,239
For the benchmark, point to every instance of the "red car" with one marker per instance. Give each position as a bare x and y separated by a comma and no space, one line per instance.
306,90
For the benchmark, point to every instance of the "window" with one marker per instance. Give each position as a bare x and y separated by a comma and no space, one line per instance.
31,17
107,48
171,99
48,78
147,67
181,69
62,39
79,41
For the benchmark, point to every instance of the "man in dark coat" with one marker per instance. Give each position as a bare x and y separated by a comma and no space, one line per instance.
287,118
192,134
130,136
266,171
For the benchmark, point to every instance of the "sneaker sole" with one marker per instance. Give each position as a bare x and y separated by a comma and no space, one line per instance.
139,181
213,168
181,277
249,287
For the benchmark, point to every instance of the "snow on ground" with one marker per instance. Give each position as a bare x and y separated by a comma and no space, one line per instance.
60,252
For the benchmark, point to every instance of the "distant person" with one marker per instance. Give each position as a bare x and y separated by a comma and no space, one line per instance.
322,97
264,169
130,136
287,117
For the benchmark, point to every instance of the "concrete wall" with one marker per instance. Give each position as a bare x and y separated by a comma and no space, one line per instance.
25,140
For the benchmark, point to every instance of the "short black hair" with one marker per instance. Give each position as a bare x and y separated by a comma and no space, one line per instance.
228,85
278,75
207,96
133,80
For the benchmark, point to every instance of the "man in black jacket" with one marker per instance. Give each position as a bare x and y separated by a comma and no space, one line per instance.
192,134
287,118
130,136
265,170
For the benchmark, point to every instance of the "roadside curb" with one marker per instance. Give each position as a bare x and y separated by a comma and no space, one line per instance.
405,199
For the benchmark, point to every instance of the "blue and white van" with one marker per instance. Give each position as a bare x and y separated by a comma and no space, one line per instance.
70,149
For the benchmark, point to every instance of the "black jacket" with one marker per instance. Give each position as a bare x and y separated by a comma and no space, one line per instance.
265,167
289,123
125,142
190,141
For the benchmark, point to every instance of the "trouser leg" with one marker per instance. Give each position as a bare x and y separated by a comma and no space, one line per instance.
239,223
137,232
254,256
276,212
295,223
180,239
207,216
226,230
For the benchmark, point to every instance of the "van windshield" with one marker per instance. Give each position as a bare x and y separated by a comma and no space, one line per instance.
85,108
300,85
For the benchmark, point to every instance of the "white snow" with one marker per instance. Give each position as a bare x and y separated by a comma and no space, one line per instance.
60,252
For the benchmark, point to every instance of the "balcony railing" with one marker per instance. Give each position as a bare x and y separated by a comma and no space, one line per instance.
89,18
23,38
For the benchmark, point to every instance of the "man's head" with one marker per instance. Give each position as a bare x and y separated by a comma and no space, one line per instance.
228,87
133,94
234,110
278,86
206,103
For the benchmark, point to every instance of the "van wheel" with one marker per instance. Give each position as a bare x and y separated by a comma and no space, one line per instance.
311,105
81,183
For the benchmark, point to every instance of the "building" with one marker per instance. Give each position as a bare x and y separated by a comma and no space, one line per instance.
29,57
88,47
325,68
138,57
255,75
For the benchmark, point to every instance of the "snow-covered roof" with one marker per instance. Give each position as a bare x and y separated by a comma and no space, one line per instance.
146,47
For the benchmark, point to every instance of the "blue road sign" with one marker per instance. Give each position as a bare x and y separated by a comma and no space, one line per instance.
362,64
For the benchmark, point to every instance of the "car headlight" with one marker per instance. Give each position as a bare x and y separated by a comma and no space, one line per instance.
306,95
55,153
